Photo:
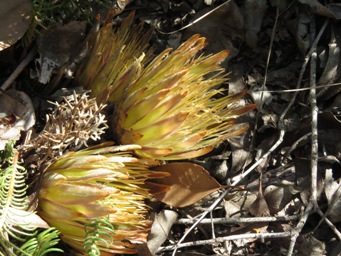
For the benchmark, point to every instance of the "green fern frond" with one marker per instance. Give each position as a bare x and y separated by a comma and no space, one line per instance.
15,221
13,197
42,244
98,232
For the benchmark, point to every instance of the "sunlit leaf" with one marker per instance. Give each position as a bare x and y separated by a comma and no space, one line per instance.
188,184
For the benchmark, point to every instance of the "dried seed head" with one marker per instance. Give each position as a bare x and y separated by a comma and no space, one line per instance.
74,121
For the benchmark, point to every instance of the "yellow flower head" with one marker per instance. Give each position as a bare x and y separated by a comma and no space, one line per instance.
169,105
98,185
107,70
173,109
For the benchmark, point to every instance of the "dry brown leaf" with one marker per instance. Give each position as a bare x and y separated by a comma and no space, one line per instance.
298,27
331,73
278,197
237,203
58,45
241,155
15,18
303,179
162,225
188,184
310,246
259,207
232,209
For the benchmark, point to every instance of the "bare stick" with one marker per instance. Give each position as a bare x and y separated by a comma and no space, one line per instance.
295,144
211,208
313,201
29,57
325,219
227,238
297,230
303,89
237,220
314,132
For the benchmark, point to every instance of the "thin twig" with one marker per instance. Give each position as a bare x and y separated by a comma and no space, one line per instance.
297,230
227,238
295,144
212,226
272,39
314,148
314,132
211,208
302,89
312,202
29,57
236,220
325,219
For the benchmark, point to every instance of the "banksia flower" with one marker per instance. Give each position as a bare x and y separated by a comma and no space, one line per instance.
95,198
107,69
172,109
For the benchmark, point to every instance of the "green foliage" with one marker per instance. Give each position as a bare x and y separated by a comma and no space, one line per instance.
42,243
15,222
12,197
98,232
63,11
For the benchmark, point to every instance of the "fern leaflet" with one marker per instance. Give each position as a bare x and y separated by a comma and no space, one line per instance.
98,234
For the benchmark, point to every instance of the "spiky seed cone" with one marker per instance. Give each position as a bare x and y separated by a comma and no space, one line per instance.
108,68
104,181
172,109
